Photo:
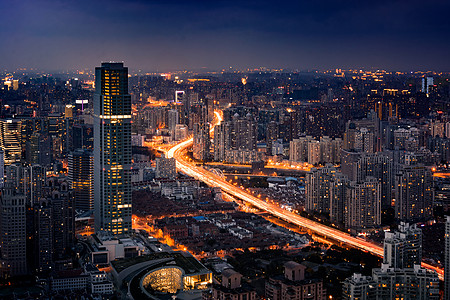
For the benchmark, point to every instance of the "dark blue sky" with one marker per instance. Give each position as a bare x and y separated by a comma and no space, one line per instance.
167,35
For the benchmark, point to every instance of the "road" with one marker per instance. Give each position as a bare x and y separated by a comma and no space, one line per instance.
189,168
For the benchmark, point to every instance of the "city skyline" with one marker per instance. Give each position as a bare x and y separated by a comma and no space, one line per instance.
159,36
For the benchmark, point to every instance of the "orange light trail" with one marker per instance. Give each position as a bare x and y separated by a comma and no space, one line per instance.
215,181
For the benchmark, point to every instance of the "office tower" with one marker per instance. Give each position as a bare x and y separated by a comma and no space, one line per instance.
201,146
52,235
426,82
83,136
12,233
38,149
447,260
10,140
28,180
81,178
413,195
166,167
63,220
112,149
403,248
32,149
2,168
55,132
42,237
68,111
364,206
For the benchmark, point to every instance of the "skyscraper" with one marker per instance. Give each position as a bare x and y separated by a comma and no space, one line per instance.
81,173
12,233
10,140
447,260
112,149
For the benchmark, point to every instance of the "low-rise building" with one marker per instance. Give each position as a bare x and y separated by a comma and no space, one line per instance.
294,285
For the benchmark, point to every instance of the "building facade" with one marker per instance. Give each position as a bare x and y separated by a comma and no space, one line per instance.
112,149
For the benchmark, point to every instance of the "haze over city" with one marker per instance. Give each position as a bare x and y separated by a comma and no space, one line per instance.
176,35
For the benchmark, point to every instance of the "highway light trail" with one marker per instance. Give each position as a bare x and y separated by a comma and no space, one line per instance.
190,169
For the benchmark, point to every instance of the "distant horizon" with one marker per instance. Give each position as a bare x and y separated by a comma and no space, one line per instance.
172,35
218,70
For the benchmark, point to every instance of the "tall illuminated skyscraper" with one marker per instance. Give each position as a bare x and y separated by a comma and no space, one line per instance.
112,149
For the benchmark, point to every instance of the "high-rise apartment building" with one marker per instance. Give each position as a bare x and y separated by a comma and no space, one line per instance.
202,144
447,260
318,189
363,208
403,248
112,149
413,195
81,178
400,275
12,233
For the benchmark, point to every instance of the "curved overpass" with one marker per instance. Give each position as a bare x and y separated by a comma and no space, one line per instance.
213,180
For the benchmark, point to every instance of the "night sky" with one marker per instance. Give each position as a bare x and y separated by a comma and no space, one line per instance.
173,35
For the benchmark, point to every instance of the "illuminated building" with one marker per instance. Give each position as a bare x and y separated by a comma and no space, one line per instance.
112,149
413,195
166,167
81,178
10,140
318,189
161,274
403,248
339,189
201,147
363,208
426,82
173,119
68,111
400,275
